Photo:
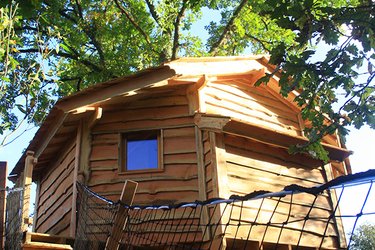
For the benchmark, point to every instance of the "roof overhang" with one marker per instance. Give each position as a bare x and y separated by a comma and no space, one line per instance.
265,135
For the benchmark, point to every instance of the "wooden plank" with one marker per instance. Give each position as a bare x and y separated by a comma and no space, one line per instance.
242,114
260,169
179,145
61,185
151,113
116,88
57,123
128,126
193,99
45,246
59,225
57,204
57,167
334,203
76,168
270,153
201,180
119,222
274,89
36,205
179,132
186,158
301,124
220,178
108,170
212,123
3,177
46,238
253,97
159,101
83,167
151,188
279,139
104,152
58,222
30,161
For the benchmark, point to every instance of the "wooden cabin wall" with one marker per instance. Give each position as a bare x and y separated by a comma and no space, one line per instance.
255,105
55,195
252,166
167,111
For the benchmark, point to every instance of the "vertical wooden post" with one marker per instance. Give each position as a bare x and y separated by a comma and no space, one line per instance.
73,215
35,219
119,223
220,178
202,190
339,227
30,161
3,176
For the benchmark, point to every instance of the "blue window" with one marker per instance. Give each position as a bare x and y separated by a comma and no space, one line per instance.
140,151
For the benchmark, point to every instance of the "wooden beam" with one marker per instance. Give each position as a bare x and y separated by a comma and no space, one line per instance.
3,177
192,94
51,133
116,88
30,161
279,139
120,220
81,110
274,89
339,227
85,145
37,193
211,122
220,180
232,126
202,189
73,216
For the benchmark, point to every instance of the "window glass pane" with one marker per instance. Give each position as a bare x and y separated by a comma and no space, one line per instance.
142,154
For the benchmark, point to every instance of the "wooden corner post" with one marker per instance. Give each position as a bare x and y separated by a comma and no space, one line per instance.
30,161
3,176
120,220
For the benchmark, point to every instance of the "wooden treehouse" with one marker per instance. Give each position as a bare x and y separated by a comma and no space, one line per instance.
209,132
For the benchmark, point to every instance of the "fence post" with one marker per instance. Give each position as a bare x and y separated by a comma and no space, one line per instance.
30,161
3,176
120,219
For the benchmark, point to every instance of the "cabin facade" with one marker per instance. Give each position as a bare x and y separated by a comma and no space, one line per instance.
211,132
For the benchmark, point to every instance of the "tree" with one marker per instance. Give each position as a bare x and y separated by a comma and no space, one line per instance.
55,48
363,237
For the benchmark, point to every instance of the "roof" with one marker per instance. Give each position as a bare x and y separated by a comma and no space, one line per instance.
62,121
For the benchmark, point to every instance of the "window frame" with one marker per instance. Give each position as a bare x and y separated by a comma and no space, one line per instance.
123,151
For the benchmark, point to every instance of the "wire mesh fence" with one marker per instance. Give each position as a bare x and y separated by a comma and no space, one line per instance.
305,218
13,230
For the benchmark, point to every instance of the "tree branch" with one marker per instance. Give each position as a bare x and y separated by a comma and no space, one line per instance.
176,36
85,62
261,42
153,13
79,8
90,32
133,22
228,28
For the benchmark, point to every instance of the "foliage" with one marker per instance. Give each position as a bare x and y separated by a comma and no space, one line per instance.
53,48
363,237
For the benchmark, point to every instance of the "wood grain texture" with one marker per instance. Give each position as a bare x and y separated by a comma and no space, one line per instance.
251,104
254,166
55,195
167,111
